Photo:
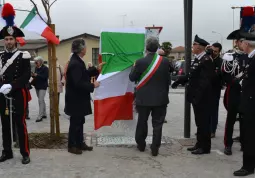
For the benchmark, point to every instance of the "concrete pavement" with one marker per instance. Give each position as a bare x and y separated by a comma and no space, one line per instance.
109,159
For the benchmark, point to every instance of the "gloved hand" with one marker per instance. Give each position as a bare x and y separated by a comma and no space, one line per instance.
5,89
175,85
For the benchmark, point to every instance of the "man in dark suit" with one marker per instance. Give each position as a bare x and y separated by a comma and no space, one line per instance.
247,106
152,75
215,51
77,98
199,94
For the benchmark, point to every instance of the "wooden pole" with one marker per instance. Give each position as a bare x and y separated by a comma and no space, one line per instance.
52,127
55,86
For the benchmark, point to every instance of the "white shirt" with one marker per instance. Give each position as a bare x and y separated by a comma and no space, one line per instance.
251,54
199,56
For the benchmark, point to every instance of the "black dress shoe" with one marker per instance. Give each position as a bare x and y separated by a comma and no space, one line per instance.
141,148
5,157
25,160
74,150
192,148
242,172
86,147
228,151
44,117
39,120
200,151
28,118
154,151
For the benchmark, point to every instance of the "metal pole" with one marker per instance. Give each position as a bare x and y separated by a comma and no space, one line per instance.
233,24
188,31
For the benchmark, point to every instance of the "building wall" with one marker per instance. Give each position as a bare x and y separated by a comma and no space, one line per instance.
177,55
64,50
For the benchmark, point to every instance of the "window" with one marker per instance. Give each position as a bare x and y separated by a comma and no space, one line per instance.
95,53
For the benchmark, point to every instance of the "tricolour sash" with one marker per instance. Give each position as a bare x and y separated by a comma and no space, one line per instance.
148,73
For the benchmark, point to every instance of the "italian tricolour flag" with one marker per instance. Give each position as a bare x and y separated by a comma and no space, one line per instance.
34,23
113,100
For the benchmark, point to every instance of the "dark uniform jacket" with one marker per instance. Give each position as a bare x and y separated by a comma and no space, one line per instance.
248,88
155,91
17,75
199,80
78,88
233,91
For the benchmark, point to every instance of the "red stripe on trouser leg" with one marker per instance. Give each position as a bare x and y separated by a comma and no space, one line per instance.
24,121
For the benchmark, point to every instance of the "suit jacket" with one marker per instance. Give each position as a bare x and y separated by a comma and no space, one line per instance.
78,88
155,91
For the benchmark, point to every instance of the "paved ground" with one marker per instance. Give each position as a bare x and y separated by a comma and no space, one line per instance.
126,161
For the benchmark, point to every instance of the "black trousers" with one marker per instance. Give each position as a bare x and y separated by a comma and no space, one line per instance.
158,114
75,137
20,100
215,109
232,97
202,114
249,141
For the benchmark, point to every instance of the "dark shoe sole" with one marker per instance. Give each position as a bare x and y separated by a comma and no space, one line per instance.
140,148
227,153
26,161
11,157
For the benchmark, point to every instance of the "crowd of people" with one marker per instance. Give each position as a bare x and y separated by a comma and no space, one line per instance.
151,74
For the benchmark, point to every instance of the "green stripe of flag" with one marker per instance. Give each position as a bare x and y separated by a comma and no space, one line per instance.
30,16
120,50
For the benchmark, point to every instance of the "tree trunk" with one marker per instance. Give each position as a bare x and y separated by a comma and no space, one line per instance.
52,127
55,87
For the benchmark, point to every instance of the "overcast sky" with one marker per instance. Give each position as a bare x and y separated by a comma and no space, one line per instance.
73,17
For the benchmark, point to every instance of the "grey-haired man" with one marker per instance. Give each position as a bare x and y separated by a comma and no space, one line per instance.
77,98
40,81
151,94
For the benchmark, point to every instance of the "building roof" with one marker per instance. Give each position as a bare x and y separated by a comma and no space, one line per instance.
42,43
84,35
179,49
30,44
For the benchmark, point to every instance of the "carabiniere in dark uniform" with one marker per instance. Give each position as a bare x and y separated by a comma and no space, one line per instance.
247,81
231,68
199,89
15,71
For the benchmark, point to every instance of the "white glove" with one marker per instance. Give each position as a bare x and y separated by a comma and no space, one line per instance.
5,89
228,57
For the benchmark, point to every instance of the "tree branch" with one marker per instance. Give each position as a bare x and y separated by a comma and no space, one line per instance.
53,3
38,11
47,11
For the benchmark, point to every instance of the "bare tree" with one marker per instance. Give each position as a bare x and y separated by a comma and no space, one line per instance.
54,112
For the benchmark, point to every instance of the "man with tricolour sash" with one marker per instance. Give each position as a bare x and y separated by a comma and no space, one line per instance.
151,74
15,72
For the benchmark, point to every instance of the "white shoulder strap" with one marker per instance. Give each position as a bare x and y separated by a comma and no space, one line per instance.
8,63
